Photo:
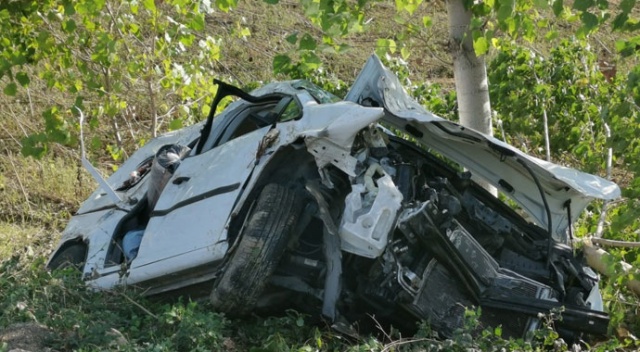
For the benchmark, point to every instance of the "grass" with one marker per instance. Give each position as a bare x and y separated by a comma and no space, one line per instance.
82,320
41,192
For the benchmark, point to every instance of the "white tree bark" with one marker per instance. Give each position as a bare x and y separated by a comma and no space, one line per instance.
601,261
469,72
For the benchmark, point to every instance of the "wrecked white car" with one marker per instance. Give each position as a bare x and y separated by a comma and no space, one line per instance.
294,196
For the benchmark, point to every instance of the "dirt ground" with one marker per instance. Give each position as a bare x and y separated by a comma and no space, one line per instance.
23,337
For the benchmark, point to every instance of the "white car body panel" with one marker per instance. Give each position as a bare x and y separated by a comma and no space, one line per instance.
96,228
200,223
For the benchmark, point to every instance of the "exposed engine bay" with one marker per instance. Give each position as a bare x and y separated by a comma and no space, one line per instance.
418,234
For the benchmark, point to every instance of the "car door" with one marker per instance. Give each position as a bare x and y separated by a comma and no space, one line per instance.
187,228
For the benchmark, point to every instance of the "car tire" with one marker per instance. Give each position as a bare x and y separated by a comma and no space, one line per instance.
72,255
262,243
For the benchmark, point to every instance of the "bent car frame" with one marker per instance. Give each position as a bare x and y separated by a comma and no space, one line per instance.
362,205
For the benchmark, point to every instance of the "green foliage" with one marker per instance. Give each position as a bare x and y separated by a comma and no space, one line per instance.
336,19
86,320
566,85
430,95
81,319
580,104
116,59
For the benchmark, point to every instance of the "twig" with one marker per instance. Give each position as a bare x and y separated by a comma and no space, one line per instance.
11,135
547,145
24,131
386,335
392,345
127,116
604,47
15,170
615,243
154,112
138,305
605,204
541,102
33,116
230,72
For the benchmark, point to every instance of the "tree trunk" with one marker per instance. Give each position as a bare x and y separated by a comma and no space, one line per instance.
469,71
604,263
470,74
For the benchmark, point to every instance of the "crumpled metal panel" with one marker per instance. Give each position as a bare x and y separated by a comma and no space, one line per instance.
485,156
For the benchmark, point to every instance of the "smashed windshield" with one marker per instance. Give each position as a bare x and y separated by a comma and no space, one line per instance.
320,95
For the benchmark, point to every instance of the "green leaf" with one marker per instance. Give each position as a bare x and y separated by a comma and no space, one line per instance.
10,89
272,2
481,46
404,51
69,26
427,21
95,143
34,145
226,5
621,45
558,7
244,32
149,5
407,5
385,45
292,39
620,21
343,48
589,20
542,24
22,78
69,10
175,124
625,48
197,24
541,4
627,5
506,10
281,63
204,109
307,42
310,62
583,5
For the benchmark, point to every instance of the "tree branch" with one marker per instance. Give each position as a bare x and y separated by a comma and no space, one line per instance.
601,261
614,243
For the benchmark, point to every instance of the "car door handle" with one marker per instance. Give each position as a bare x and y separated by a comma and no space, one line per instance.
181,180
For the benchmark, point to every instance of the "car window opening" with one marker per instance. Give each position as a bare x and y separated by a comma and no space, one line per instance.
130,231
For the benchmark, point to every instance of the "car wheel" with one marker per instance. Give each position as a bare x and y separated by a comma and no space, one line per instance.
262,243
70,256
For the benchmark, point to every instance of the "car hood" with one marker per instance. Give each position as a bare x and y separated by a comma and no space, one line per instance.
567,191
